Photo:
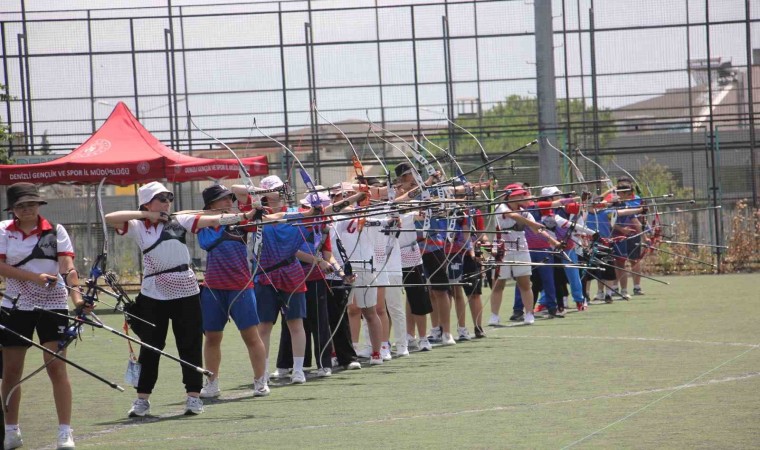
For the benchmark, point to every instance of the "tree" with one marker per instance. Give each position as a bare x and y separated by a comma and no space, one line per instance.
514,122
4,136
45,145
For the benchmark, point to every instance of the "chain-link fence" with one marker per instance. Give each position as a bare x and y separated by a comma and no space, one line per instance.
646,85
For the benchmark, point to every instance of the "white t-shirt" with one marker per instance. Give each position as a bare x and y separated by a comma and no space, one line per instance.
15,246
167,255
407,241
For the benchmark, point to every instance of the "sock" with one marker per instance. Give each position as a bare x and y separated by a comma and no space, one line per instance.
266,366
298,363
262,379
9,428
386,343
64,428
637,286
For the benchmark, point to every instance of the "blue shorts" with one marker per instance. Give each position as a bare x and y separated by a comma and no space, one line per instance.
271,302
218,305
620,248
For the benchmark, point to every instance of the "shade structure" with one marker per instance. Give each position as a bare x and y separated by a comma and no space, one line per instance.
124,152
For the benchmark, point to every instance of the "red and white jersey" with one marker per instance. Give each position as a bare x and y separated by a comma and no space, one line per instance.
511,230
167,255
15,246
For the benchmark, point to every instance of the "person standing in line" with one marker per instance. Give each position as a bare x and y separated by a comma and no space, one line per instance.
227,291
37,262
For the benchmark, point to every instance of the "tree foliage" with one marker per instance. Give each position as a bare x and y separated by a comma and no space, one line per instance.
514,122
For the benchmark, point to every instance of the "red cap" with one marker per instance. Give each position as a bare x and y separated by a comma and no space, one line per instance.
515,189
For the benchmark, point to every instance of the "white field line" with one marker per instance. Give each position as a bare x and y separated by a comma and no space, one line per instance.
360,423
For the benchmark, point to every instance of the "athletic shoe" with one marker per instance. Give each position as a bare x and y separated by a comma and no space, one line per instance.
354,365
260,387
211,389
464,335
334,361
608,298
297,377
435,334
385,353
375,359
193,406
448,339
425,345
324,372
65,440
539,307
494,320
580,306
554,314
366,352
600,296
518,316
624,294
412,342
140,408
529,319
637,291
281,373
479,333
13,439
402,350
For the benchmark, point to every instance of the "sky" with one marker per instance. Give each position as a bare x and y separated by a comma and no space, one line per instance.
222,82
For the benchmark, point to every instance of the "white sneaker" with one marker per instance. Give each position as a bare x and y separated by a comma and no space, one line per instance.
425,345
385,352
13,439
334,361
140,408
354,365
281,373
324,372
211,389
624,294
260,387
193,406
494,320
298,377
464,335
447,339
412,342
366,352
375,360
65,440
529,319
435,334
599,296
402,350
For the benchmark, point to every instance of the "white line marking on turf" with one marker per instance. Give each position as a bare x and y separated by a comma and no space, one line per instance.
642,339
572,444
669,390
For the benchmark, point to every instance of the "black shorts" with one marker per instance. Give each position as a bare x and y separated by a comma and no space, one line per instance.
471,274
49,327
634,249
417,296
434,264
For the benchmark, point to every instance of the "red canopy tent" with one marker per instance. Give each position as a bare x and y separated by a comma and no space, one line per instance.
126,153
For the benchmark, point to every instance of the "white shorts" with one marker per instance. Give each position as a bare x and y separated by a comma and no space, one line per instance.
507,272
365,297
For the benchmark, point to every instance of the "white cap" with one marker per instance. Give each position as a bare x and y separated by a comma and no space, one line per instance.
146,193
550,191
271,182
324,198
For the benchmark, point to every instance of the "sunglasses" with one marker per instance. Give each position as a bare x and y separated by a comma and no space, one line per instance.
164,198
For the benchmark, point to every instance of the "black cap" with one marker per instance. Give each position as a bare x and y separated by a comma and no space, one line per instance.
23,193
403,168
214,193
